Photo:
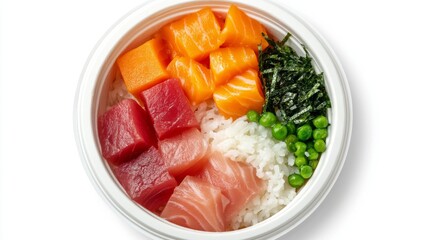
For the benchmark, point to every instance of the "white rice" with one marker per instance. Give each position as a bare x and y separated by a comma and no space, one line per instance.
249,142
118,91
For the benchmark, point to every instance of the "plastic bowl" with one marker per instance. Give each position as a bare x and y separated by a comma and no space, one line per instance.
138,26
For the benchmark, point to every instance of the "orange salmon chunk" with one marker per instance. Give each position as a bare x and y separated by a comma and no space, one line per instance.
241,94
144,66
225,63
195,35
242,31
194,77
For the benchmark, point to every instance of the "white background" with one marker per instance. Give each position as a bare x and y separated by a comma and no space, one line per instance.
382,192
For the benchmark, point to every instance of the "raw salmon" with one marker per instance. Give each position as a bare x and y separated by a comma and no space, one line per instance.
196,204
239,95
238,182
225,63
195,35
184,153
242,31
195,78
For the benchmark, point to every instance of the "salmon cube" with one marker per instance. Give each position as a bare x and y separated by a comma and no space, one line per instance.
169,109
242,31
144,66
146,180
234,104
124,132
194,77
225,63
195,35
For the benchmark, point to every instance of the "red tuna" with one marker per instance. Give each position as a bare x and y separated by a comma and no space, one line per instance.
184,152
196,204
169,108
124,132
146,179
238,182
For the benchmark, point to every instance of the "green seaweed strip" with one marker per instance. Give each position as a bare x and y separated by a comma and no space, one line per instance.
293,90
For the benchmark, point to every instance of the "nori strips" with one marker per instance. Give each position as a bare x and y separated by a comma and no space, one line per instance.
293,90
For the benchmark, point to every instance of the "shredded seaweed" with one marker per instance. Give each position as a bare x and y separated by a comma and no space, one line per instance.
293,90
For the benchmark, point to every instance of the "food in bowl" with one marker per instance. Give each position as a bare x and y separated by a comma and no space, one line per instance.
212,125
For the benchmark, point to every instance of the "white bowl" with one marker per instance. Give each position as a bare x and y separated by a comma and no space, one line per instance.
138,26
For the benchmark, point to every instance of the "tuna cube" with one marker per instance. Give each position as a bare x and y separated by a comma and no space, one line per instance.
184,153
169,109
124,132
146,180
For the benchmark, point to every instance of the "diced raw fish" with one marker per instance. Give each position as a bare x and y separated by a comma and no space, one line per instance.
144,66
238,182
195,78
242,31
195,35
225,63
146,179
196,204
184,153
169,109
124,132
241,94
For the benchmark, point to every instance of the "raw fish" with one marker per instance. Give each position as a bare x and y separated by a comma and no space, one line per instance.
125,131
196,204
195,78
169,109
146,179
239,95
242,31
238,182
195,35
225,63
184,153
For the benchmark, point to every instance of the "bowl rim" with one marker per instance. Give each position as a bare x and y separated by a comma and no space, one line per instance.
309,198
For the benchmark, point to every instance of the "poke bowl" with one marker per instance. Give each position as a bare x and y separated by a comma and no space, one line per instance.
164,117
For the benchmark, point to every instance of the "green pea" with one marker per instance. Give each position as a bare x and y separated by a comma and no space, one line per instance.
295,180
320,133
310,144
267,119
304,132
253,116
319,145
300,148
320,122
291,138
291,147
313,164
312,154
279,131
306,171
301,160
291,128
